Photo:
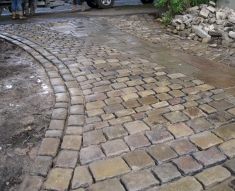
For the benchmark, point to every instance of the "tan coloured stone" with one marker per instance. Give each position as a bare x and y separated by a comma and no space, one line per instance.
95,105
187,183
49,147
212,176
130,97
228,148
205,140
81,177
58,179
180,130
135,127
108,168
71,142
226,132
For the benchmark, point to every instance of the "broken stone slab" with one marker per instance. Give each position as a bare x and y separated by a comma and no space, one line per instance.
193,9
200,32
228,24
231,34
211,9
187,22
212,20
215,33
219,15
204,13
197,20
220,22
231,19
192,35
212,3
228,29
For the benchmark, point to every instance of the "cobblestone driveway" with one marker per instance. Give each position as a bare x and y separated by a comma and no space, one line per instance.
130,113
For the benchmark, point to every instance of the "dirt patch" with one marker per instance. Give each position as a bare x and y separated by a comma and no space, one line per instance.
26,103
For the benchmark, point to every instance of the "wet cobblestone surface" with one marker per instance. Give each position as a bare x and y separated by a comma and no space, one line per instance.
130,114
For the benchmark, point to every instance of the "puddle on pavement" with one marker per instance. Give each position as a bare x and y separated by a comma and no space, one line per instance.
68,28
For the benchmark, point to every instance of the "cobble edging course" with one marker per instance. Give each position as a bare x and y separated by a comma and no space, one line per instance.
126,120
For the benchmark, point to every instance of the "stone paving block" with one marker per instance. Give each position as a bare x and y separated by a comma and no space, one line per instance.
176,75
32,183
157,111
113,108
176,108
76,120
72,142
139,180
221,187
183,146
114,93
114,100
119,85
61,105
59,113
154,121
129,90
137,140
176,93
59,89
143,108
187,165
226,132
73,130
158,136
220,118
57,125
132,96
199,124
94,112
205,87
95,105
67,159
176,101
138,160
190,104
146,93
161,153
191,90
107,116
107,185
175,86
193,112
61,97
57,81
209,157
90,154
115,147
148,100
230,165
160,104
81,177
166,172
75,91
228,148
124,112
58,179
184,184
95,97
164,96
232,183
180,130
53,134
176,116
92,120
134,82
135,127
205,140
131,104
93,137
76,110
101,124
75,100
120,120
41,165
232,111
49,147
108,168
220,105
212,176
161,89
114,132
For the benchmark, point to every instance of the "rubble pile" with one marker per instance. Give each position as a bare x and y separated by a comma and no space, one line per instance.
206,22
